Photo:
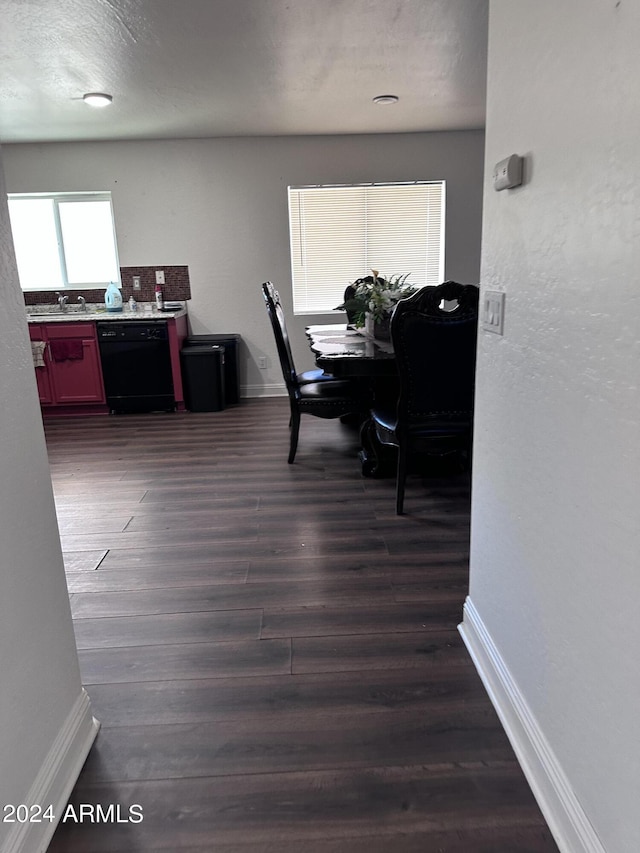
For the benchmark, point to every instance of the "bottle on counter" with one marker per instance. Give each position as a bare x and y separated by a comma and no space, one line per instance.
133,305
159,298
113,298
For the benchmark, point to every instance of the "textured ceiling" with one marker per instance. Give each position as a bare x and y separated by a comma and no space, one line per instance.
204,68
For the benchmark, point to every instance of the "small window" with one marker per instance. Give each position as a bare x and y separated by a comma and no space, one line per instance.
339,233
64,240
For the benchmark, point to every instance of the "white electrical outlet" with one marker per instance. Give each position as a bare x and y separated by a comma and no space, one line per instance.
262,362
136,282
159,276
493,311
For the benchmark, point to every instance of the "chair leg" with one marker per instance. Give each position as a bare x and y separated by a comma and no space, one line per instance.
295,429
401,476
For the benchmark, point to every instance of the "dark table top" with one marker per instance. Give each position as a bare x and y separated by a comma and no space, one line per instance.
344,351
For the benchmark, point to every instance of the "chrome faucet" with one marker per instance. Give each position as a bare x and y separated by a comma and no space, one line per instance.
62,301
83,303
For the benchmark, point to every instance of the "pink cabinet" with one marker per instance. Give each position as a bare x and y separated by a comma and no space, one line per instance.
177,333
70,382
72,374
38,333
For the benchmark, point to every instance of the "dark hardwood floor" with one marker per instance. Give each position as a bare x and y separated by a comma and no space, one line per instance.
271,651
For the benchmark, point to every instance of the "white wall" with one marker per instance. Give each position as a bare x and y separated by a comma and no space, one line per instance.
555,571
220,206
45,723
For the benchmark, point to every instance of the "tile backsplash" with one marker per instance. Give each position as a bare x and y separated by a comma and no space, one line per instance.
176,287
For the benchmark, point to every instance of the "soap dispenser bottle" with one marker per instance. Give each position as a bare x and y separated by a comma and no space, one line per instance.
159,298
113,298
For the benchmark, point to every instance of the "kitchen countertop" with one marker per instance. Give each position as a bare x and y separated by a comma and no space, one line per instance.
52,314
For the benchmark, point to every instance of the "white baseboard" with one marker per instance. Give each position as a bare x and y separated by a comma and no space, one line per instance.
552,789
275,389
56,778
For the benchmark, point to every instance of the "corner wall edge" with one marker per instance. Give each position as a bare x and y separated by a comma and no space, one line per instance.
56,777
553,791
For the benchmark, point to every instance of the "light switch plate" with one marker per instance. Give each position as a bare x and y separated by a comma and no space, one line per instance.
493,311
159,276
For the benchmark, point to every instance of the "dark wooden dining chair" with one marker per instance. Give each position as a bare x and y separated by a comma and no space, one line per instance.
324,397
435,349
349,293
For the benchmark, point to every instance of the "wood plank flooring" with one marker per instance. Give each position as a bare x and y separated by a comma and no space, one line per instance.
272,653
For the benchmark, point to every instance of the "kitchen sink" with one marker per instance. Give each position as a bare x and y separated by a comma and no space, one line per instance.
46,314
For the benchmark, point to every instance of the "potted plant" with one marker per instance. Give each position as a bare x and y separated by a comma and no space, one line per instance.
373,298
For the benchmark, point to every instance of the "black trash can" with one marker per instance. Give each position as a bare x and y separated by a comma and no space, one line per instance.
203,377
231,344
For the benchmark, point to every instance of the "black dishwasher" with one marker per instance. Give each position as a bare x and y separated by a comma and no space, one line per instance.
136,365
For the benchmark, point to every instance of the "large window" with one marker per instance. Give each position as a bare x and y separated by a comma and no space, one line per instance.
64,240
339,233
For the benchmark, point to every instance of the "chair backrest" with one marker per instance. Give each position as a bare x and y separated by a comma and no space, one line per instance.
276,315
436,353
349,293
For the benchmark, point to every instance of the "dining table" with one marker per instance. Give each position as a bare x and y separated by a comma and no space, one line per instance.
345,351
350,353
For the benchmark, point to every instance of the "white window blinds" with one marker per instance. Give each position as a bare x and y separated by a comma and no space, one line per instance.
340,233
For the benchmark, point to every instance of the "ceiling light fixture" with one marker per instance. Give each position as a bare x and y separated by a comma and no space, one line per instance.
97,99
386,99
